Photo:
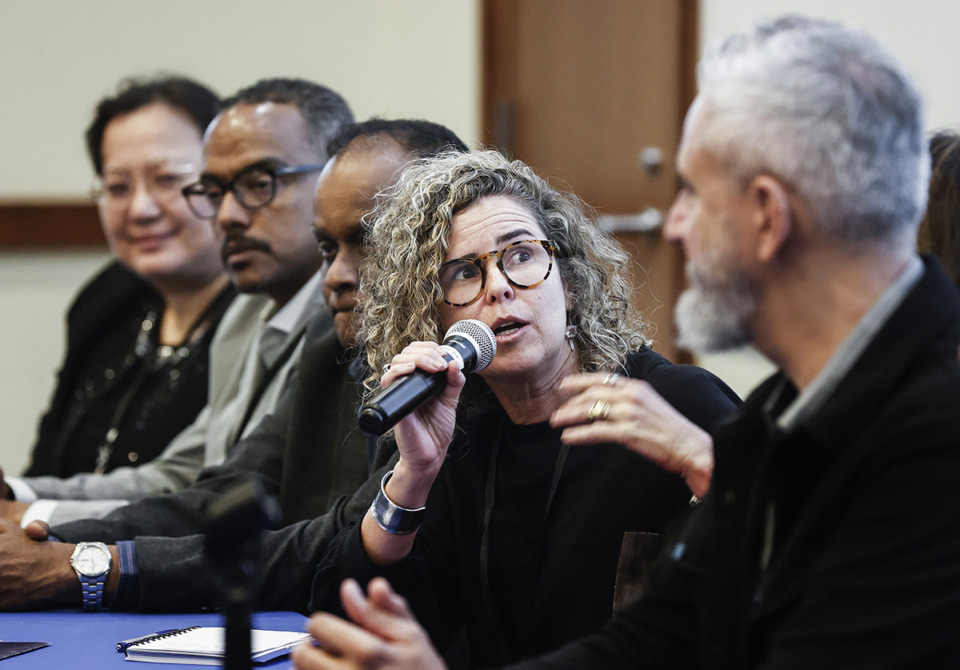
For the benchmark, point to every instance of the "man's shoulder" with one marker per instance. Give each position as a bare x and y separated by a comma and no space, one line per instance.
243,317
928,394
903,392
913,367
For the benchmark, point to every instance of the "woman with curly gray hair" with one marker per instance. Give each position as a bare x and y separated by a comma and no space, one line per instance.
411,236
522,540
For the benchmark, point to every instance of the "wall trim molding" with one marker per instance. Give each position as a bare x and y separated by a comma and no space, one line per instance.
45,225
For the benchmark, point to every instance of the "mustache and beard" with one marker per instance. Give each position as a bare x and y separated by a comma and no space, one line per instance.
712,315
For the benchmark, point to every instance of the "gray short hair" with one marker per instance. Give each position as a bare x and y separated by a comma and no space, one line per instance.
828,111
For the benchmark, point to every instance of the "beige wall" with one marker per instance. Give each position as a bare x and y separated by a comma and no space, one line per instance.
388,57
415,58
921,33
392,58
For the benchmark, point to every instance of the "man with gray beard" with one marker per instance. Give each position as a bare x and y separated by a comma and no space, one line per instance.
830,537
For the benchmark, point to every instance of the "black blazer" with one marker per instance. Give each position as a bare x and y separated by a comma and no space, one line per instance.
109,298
110,307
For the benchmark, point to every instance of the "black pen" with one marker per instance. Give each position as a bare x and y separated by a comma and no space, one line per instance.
123,644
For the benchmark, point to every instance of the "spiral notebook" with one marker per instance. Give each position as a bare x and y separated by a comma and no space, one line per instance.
204,645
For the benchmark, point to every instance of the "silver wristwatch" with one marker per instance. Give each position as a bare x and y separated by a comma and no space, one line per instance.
91,561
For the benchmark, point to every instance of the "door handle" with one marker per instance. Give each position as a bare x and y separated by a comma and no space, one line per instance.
649,220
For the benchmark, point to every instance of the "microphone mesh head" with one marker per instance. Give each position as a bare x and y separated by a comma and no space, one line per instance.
480,333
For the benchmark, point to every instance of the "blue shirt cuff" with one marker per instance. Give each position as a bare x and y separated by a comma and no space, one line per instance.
128,588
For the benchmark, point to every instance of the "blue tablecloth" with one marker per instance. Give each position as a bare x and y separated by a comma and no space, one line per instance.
79,641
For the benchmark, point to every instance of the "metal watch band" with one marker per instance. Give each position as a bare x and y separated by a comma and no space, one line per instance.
92,589
391,517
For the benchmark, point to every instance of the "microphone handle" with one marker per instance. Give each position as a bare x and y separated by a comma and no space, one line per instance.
384,410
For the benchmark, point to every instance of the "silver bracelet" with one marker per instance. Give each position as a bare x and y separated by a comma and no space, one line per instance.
391,517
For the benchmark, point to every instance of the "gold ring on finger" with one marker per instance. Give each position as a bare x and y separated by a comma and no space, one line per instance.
599,410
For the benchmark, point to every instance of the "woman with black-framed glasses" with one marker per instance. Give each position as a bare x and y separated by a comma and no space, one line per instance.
491,521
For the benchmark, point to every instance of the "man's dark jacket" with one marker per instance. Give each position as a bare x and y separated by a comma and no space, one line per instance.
857,509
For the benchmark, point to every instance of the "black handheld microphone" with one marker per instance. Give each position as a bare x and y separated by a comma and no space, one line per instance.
470,343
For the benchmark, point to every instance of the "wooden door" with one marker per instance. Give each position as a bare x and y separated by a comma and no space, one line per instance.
591,94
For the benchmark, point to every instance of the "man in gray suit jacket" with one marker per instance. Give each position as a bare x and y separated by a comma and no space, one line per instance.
273,133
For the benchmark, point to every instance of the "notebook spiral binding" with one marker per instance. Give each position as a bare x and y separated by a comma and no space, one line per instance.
161,636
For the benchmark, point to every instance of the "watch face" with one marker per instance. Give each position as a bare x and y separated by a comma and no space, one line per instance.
91,560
